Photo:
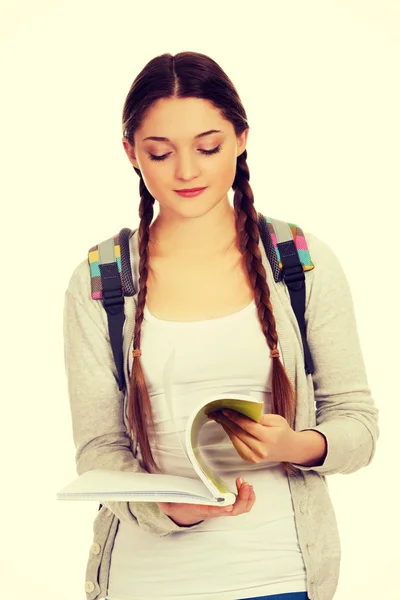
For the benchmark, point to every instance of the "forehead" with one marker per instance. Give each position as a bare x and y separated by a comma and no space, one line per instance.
181,118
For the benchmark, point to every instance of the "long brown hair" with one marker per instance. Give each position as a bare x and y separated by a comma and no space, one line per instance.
194,75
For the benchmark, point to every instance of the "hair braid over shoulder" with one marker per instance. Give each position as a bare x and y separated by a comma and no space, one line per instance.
283,397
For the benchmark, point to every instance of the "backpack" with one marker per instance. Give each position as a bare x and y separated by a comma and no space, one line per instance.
111,278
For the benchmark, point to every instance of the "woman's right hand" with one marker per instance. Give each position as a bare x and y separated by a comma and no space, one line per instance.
189,514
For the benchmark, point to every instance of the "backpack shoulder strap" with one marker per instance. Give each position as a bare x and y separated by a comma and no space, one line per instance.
111,278
110,283
286,249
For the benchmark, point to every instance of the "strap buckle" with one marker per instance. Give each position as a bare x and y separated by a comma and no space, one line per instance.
113,297
293,274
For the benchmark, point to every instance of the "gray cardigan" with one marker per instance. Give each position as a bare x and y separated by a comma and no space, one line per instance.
335,400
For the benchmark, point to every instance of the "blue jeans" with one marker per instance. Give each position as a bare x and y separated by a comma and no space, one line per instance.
289,596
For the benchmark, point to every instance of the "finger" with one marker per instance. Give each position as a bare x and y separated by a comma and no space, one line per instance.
244,500
241,500
251,499
249,450
255,429
248,497
245,497
242,429
239,482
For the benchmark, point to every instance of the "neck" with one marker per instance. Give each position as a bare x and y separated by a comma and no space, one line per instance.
204,237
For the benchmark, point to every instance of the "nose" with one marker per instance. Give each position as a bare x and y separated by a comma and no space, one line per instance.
187,166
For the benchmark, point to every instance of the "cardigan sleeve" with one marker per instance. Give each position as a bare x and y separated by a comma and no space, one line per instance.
96,404
346,413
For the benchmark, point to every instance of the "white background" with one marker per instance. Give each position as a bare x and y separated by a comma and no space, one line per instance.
320,84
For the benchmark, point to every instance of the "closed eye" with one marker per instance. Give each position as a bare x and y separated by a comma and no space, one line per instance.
206,152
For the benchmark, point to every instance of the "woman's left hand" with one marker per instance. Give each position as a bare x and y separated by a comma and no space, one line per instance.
270,440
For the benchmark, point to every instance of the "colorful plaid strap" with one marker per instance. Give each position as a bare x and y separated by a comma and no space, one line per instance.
280,232
106,252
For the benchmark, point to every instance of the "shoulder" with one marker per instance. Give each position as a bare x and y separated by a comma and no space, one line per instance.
321,252
79,281
328,272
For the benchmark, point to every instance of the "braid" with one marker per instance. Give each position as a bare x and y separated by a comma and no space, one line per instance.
283,396
139,405
248,240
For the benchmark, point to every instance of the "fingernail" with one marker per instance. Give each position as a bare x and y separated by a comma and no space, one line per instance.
229,509
240,480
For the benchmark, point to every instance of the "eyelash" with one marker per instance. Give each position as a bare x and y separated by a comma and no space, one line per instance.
206,152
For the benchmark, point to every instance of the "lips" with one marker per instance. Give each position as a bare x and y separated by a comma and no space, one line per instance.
190,194
191,190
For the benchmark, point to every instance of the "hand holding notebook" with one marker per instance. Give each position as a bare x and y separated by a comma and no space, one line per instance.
208,489
192,514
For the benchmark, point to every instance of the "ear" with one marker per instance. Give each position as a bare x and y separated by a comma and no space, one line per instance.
130,152
242,141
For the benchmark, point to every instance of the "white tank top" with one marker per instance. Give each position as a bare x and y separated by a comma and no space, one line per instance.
228,558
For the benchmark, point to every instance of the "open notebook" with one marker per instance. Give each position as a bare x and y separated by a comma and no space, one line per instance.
106,486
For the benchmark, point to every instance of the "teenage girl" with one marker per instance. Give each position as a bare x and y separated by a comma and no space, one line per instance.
208,310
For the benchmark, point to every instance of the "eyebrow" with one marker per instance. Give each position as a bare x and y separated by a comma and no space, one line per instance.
196,137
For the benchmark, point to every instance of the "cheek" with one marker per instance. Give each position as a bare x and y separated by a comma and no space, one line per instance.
220,165
224,170
156,178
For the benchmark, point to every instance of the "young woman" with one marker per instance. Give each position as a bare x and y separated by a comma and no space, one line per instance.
207,301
